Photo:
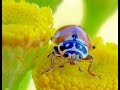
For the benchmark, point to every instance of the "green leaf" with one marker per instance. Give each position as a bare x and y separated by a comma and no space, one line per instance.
4,82
16,71
39,52
28,57
18,78
96,12
52,3
25,81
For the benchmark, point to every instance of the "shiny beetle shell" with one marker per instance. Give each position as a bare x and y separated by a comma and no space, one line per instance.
66,32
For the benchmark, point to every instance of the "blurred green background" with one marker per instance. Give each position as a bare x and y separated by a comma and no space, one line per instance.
72,12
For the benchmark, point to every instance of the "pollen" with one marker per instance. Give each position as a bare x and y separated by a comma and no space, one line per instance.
25,24
70,78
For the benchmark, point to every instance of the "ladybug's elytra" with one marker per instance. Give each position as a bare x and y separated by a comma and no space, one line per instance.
74,44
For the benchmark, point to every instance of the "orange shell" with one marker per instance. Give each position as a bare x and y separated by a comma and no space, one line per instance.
66,31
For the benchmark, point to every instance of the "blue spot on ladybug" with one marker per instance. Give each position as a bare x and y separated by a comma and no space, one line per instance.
70,44
81,47
73,52
74,36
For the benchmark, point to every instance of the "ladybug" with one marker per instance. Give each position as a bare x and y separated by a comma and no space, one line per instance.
73,43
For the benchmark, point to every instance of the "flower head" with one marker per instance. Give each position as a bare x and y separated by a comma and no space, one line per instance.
70,78
25,30
25,24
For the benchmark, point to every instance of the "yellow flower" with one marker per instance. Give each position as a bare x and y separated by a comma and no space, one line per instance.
70,78
25,24
26,29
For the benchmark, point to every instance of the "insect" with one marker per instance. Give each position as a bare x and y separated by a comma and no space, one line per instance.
73,43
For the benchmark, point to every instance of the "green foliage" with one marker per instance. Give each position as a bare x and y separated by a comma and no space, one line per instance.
24,82
41,3
17,64
96,12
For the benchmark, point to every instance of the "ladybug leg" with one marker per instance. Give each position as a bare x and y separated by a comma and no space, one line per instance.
52,64
62,65
51,56
90,58
55,53
80,69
